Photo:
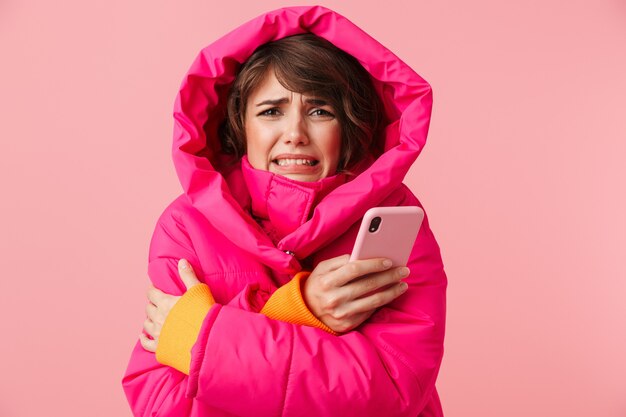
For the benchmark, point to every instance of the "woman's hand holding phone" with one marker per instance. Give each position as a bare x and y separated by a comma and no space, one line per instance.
345,291
339,292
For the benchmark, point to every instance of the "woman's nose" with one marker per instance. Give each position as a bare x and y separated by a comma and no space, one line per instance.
296,132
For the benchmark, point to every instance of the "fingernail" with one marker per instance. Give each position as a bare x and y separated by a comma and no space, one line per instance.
405,272
387,263
183,264
404,286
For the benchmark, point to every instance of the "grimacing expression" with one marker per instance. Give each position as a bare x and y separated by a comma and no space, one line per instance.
291,134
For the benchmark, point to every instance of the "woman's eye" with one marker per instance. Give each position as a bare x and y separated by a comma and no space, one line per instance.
275,111
269,112
322,112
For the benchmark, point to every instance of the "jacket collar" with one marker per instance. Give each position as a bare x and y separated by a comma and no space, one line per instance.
281,204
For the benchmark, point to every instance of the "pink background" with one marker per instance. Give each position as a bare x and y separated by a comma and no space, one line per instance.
522,178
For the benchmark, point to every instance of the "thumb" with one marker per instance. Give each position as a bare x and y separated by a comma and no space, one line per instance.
186,273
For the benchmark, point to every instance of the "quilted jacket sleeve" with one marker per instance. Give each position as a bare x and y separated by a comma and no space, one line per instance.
151,388
244,363
154,388
182,326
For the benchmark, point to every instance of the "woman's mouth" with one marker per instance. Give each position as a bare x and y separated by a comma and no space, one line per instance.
295,166
286,162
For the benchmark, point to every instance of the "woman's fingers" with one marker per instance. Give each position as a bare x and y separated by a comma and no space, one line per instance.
151,328
187,275
332,264
161,304
355,269
361,287
339,292
379,299
146,343
151,311
360,303
154,295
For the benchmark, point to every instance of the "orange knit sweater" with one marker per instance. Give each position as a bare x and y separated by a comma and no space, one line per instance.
182,325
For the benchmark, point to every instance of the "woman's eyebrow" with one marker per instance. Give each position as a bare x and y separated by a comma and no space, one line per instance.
283,100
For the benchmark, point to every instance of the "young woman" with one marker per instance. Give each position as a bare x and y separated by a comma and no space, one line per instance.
283,140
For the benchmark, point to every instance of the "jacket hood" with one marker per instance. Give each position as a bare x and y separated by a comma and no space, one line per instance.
200,108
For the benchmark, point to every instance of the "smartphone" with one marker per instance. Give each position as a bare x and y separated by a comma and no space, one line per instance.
388,232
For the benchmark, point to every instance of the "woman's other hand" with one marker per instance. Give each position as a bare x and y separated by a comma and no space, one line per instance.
344,294
160,304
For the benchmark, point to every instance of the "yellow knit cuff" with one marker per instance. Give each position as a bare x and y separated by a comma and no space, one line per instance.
287,304
182,326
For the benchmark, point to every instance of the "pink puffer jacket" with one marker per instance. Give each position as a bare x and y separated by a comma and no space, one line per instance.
243,363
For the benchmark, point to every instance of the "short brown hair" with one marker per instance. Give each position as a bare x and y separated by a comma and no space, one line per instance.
306,63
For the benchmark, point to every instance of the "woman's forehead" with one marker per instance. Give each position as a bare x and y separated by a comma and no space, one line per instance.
269,86
271,91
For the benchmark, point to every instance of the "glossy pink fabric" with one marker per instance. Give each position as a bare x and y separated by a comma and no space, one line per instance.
244,364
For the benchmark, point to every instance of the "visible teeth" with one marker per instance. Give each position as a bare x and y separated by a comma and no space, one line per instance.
285,162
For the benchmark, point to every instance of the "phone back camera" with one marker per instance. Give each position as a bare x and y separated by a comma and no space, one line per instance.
374,224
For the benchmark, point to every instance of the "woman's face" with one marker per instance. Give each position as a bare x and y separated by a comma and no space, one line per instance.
291,134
